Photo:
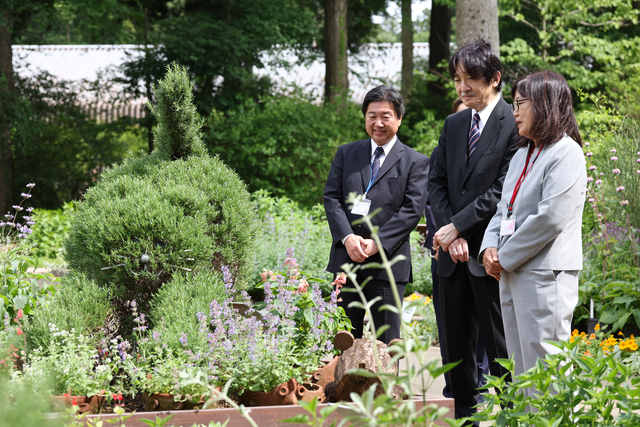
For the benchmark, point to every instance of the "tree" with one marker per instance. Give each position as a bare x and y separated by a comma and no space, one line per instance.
477,18
439,47
336,81
407,48
6,92
594,44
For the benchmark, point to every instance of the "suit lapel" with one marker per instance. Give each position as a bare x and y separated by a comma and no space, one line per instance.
462,134
392,158
364,160
489,134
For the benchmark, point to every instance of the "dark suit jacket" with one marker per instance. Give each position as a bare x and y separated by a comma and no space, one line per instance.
399,191
467,193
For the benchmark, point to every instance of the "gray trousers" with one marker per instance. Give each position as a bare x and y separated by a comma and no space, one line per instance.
537,306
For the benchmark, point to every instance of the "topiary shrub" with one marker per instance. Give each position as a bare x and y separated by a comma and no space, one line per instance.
79,304
177,210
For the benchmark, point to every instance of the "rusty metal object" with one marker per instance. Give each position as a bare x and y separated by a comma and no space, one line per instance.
283,394
90,405
325,375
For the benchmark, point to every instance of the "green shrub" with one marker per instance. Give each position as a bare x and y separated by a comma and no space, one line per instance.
284,145
177,210
176,306
80,304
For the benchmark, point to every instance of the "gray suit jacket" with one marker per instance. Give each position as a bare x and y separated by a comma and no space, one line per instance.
548,211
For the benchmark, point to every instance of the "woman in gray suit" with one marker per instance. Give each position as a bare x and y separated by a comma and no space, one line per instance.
533,244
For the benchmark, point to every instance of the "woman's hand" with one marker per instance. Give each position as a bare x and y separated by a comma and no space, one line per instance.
491,263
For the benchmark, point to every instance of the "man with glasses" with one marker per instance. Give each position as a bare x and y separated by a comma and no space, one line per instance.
465,185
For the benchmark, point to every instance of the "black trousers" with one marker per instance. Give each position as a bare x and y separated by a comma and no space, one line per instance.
469,304
371,290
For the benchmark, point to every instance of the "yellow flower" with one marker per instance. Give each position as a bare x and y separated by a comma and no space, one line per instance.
620,333
597,327
622,345
592,336
633,346
571,339
574,333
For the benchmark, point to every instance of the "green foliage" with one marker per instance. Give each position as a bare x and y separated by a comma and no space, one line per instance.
79,305
19,287
566,389
18,408
284,145
55,143
611,275
151,216
283,225
176,304
71,364
50,231
594,44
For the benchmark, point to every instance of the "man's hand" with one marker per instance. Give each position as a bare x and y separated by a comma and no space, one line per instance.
355,248
371,247
459,250
446,236
491,263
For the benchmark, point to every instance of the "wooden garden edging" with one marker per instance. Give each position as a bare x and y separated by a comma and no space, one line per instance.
264,416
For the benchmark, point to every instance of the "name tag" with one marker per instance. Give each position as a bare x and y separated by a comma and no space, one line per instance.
508,227
361,207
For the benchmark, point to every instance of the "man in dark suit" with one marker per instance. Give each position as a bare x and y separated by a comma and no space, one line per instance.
475,148
392,177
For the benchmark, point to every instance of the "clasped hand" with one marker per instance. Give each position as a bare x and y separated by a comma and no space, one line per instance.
448,239
491,263
360,249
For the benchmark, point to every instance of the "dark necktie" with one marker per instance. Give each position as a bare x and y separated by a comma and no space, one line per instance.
474,134
375,166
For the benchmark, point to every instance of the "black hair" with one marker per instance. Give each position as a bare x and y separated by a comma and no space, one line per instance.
384,93
551,105
478,60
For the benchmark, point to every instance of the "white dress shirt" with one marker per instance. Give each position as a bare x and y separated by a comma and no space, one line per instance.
484,114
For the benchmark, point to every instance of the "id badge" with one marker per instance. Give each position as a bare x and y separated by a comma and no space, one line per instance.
508,226
361,207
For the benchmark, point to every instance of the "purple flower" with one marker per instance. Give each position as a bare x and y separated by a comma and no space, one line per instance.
9,216
589,154
614,158
591,200
621,188
183,339
31,185
18,208
586,144
616,171
30,208
590,179
613,150
156,336
26,195
592,168
7,320
624,202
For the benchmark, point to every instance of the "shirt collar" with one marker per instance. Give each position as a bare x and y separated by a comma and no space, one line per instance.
386,147
486,112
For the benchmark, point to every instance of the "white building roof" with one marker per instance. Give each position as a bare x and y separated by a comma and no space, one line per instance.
373,65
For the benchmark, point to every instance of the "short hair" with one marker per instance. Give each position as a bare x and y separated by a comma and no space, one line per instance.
478,60
384,93
456,105
551,105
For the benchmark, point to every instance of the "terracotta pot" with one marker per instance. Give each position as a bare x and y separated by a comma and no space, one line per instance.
167,402
283,394
325,375
312,392
91,405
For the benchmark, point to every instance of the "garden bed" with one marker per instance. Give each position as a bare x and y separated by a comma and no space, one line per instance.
264,416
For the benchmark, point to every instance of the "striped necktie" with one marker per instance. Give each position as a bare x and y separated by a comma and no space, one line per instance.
474,135
375,166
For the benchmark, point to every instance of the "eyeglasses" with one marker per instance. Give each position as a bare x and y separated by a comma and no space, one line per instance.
516,104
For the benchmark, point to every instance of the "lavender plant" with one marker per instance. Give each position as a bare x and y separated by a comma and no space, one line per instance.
611,275
19,283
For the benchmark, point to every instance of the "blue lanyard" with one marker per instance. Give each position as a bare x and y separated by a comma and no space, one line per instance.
372,178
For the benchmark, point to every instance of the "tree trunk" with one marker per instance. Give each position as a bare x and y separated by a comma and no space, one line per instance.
6,157
439,47
407,49
335,49
477,18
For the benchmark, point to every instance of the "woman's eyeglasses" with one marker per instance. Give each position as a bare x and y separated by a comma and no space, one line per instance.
516,104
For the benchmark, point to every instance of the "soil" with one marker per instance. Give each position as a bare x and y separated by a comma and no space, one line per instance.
136,404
